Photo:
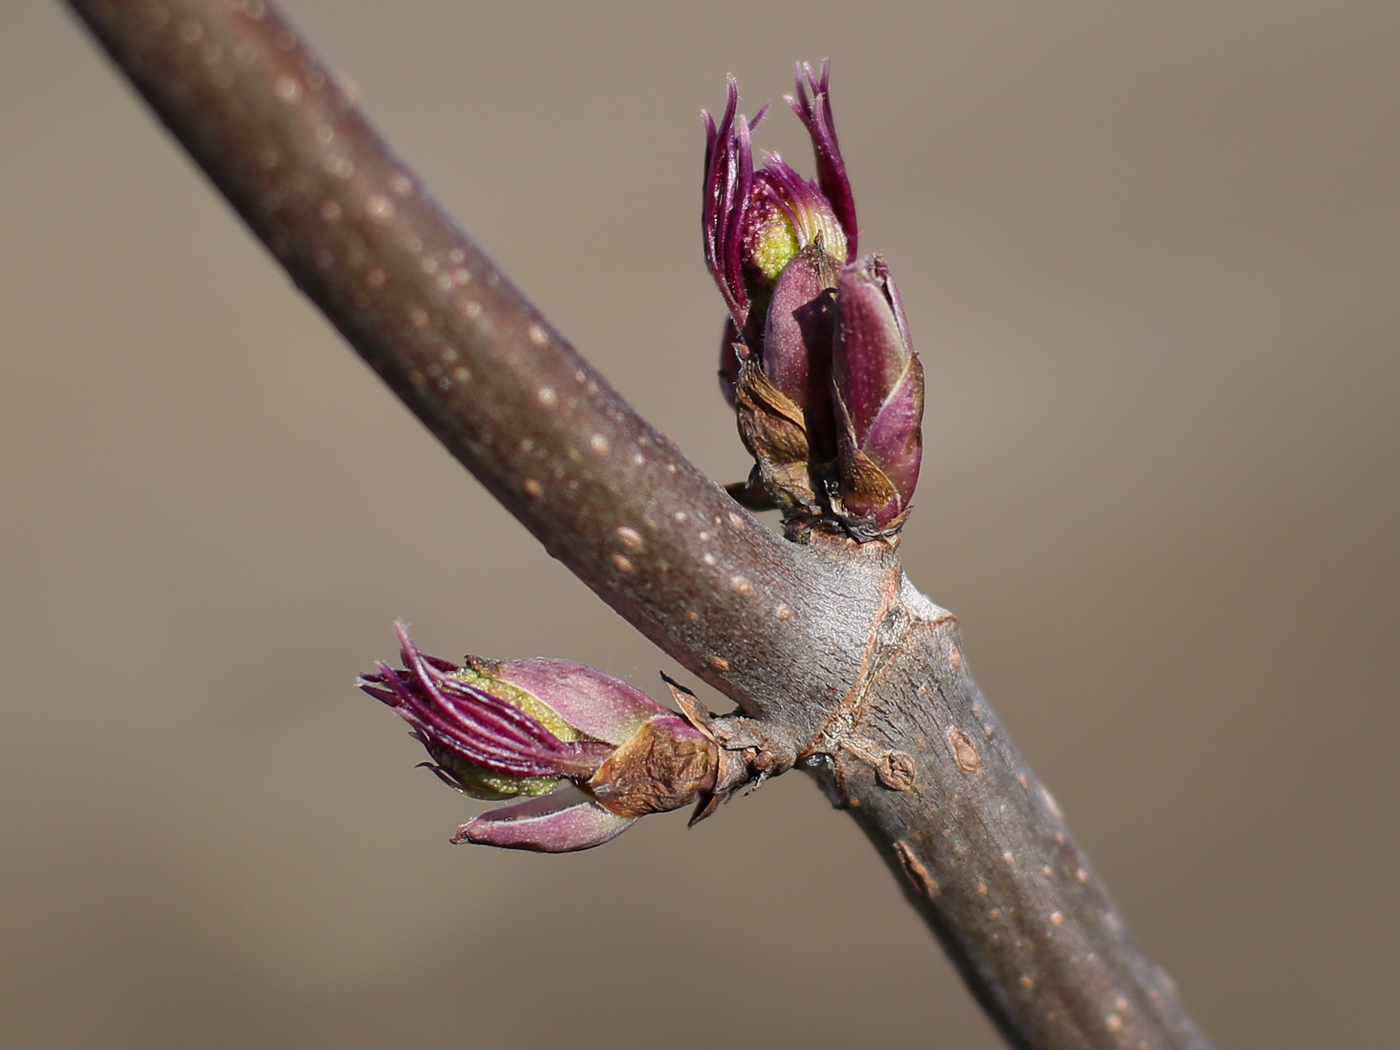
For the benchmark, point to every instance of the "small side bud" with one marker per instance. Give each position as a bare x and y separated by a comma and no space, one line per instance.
879,387
583,754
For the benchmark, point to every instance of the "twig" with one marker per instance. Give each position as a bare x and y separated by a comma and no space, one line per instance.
840,666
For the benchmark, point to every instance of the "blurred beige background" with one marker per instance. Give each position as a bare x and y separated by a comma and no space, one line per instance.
1151,257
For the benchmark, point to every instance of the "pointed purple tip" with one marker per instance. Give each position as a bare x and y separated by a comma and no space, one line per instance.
455,719
728,178
812,105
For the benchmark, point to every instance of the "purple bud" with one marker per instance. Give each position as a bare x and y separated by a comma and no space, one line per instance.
502,729
797,343
879,387
826,372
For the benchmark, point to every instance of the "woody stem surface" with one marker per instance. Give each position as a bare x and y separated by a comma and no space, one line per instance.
837,663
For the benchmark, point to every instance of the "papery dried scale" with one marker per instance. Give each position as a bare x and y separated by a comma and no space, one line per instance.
784,404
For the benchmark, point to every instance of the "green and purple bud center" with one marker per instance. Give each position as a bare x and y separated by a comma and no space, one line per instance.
785,215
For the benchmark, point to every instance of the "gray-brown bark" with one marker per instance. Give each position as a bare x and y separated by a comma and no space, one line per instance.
838,664
931,776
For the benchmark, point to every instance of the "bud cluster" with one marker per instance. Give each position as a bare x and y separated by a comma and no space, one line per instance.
829,396
580,754
815,357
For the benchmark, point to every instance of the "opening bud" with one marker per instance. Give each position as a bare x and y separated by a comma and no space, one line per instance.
583,754
815,356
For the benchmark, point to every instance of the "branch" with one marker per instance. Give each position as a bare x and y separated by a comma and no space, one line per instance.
840,665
